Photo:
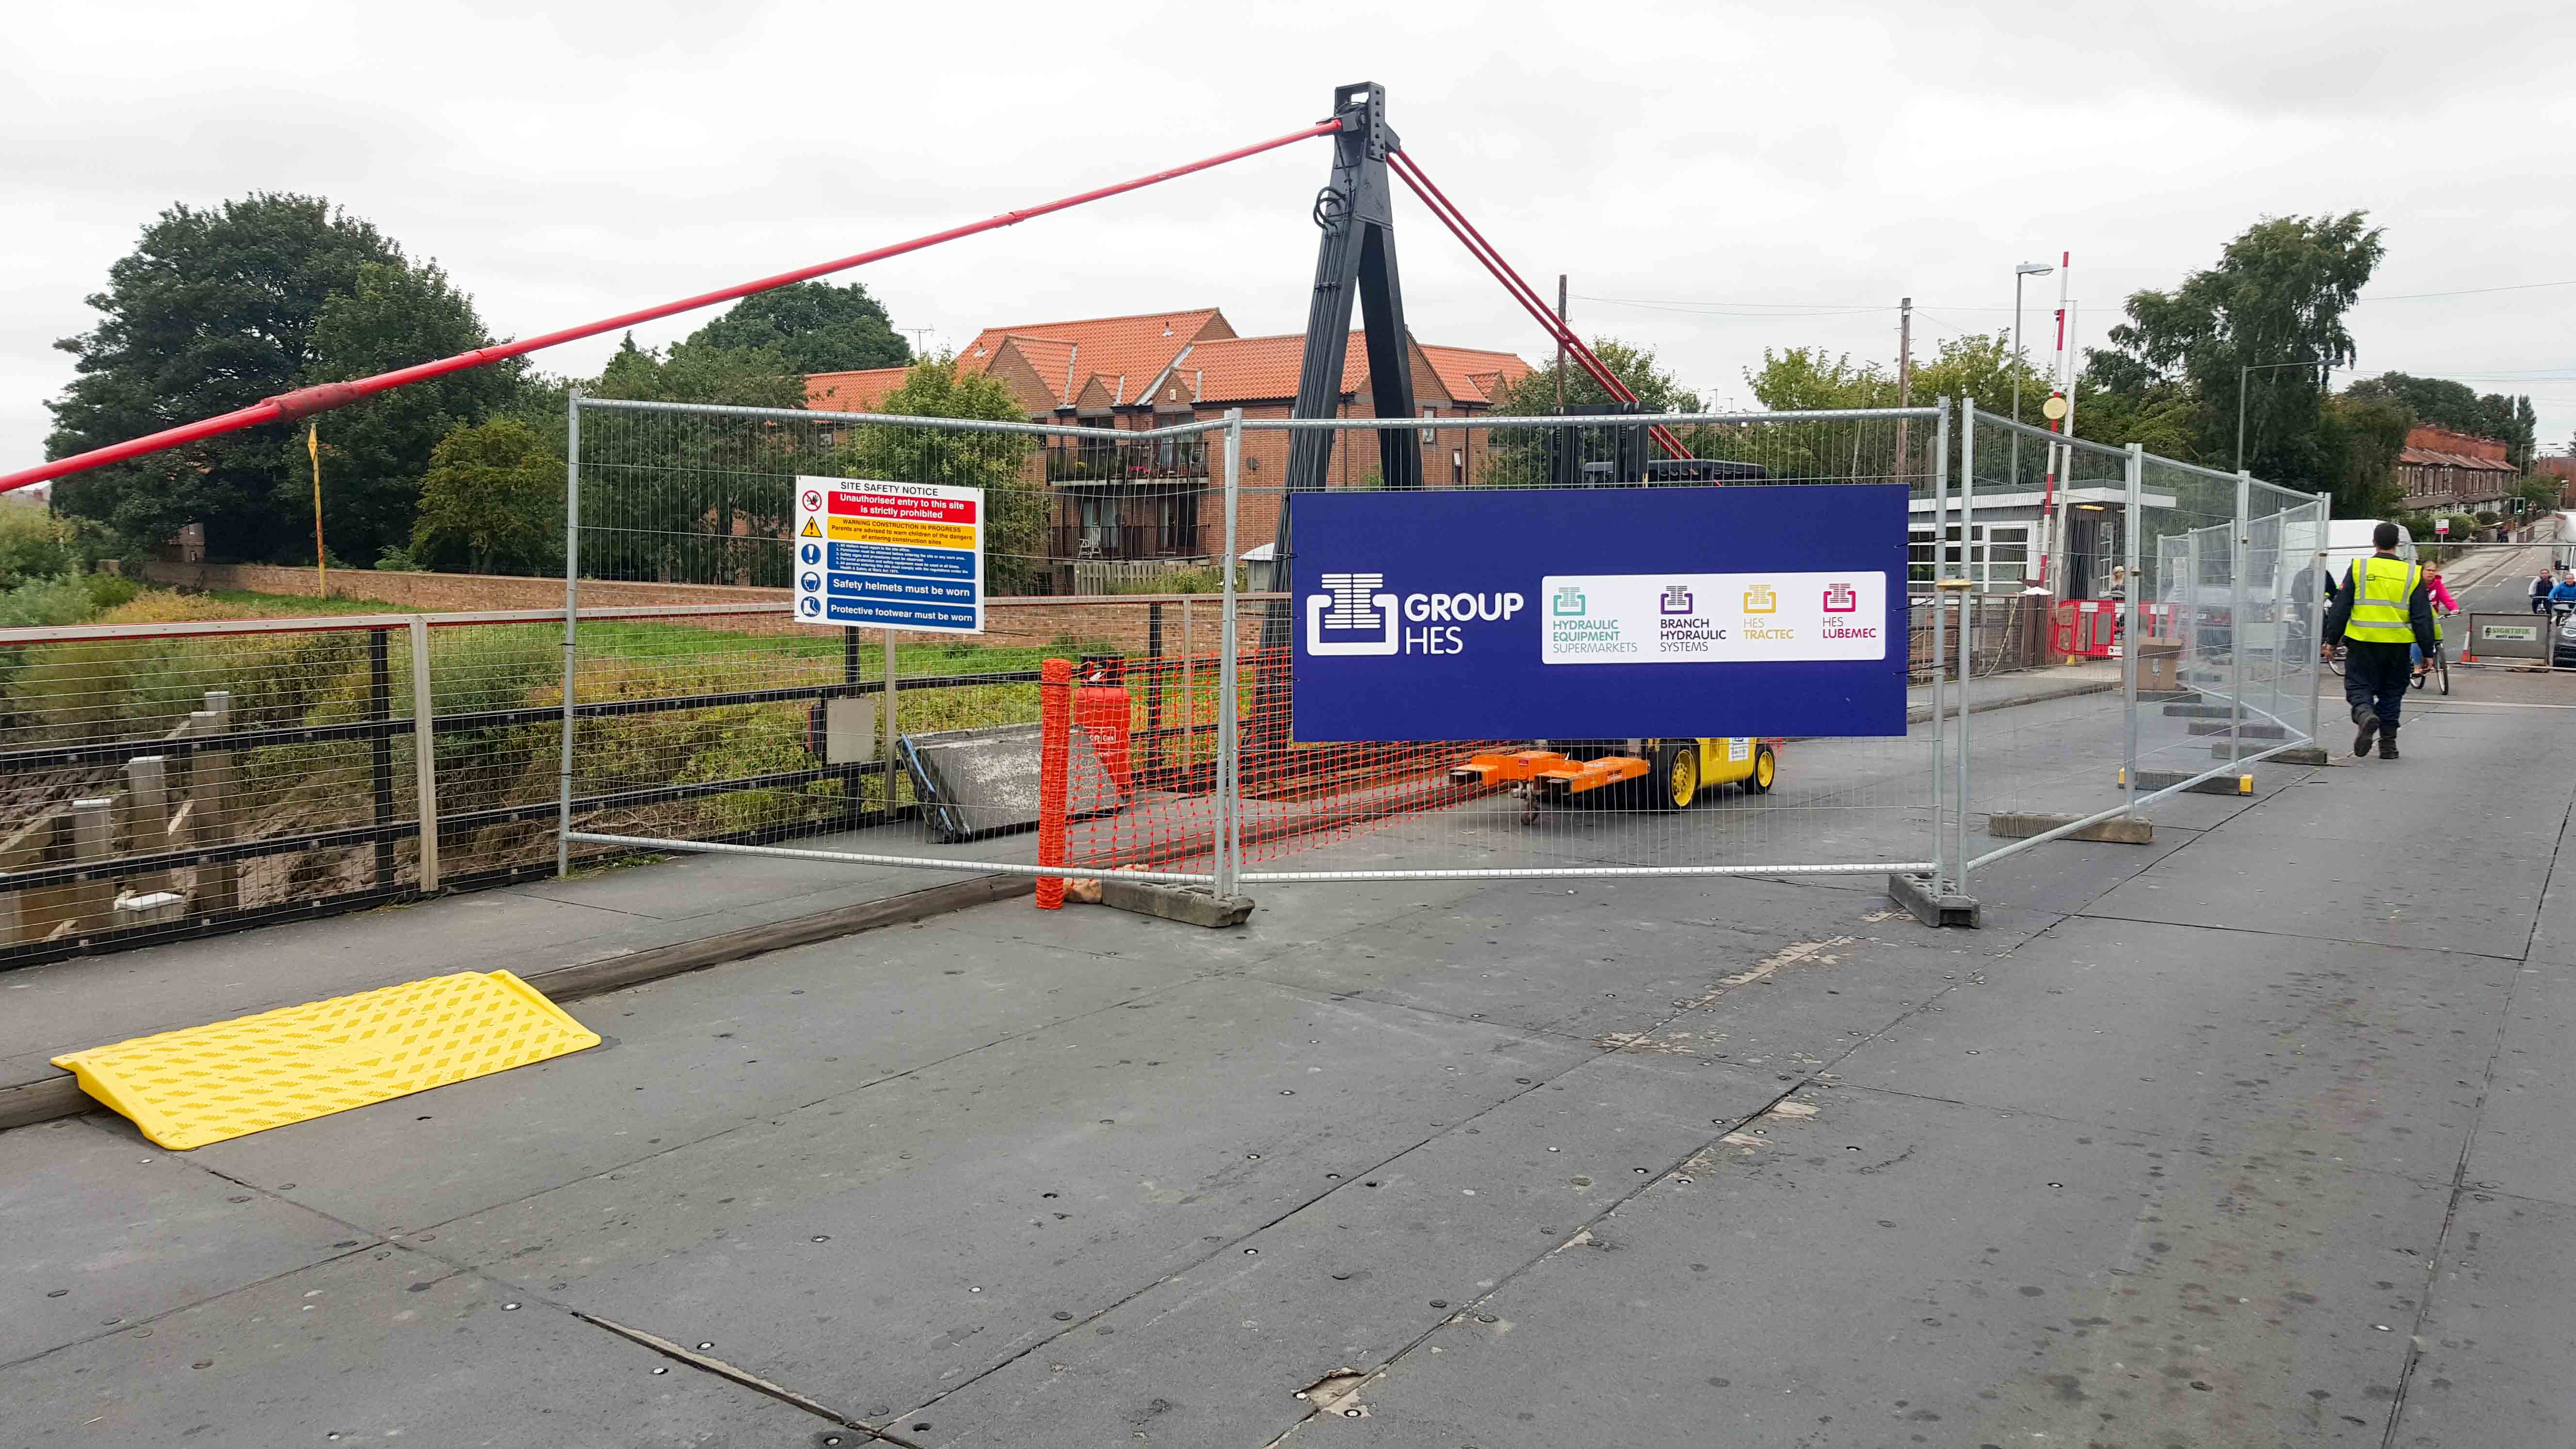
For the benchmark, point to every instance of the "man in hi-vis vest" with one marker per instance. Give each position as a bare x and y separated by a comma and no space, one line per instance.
2382,614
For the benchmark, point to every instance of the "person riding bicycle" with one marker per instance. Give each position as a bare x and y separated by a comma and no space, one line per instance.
2541,588
2442,604
2563,597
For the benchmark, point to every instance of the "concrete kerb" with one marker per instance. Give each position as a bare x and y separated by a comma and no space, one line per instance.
2067,689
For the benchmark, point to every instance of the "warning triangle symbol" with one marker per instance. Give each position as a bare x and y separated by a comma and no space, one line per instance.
809,530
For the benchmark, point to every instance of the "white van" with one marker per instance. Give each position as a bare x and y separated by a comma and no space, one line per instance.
2349,538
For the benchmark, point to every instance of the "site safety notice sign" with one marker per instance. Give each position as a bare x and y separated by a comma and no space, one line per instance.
889,555
1564,614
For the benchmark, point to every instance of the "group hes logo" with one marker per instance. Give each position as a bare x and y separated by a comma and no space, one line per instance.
1356,615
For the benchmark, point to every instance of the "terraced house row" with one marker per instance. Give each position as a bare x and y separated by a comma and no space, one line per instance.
1126,511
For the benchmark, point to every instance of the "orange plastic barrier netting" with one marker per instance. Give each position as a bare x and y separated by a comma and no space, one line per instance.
1296,796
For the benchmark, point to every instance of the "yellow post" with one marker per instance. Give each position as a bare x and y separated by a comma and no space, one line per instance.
313,450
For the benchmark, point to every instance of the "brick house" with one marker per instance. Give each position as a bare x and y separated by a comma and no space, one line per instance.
2454,472
1156,504
2562,468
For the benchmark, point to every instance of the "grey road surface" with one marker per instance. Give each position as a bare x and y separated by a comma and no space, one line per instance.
2262,1134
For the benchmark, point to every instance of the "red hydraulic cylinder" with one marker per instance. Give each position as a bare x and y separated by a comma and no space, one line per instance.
1450,216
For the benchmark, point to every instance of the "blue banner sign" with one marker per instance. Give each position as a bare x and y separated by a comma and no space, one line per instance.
1599,613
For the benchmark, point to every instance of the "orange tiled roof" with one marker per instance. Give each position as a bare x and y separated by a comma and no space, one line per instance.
1137,347
1125,355
851,392
1473,374
1241,369
1052,358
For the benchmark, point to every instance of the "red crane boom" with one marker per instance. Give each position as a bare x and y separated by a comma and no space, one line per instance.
306,401
1450,216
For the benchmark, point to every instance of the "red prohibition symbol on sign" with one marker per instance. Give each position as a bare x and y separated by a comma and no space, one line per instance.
813,500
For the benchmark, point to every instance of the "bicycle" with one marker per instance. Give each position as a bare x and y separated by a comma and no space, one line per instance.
2437,662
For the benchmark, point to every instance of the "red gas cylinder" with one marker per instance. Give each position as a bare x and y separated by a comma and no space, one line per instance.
1101,711
2061,629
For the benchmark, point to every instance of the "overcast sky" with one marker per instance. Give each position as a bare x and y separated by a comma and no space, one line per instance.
1761,175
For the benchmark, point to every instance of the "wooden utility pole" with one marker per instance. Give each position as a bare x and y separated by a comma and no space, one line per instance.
1560,342
1904,384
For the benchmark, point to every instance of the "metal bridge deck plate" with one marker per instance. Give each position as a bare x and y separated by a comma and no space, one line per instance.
229,1078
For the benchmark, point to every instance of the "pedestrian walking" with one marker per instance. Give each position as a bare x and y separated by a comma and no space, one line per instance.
2382,615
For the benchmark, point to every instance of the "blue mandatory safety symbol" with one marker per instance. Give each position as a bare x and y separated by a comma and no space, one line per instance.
811,553
811,583
809,606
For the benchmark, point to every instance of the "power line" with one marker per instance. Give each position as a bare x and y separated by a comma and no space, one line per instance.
1820,309
2467,292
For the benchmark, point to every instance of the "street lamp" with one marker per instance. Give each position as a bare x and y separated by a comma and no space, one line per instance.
2242,374
2025,270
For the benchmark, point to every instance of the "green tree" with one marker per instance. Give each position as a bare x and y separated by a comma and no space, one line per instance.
1535,395
2447,404
695,372
1978,367
1518,457
2279,293
211,312
2163,419
375,453
33,544
1797,379
689,499
815,326
492,501
1002,464
2358,439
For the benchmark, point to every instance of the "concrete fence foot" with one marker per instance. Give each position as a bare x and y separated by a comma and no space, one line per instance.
2296,755
1194,905
2150,781
1930,904
2246,731
2020,826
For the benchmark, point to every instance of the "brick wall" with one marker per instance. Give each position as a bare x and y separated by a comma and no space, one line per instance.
2443,440
1355,456
430,593
1116,620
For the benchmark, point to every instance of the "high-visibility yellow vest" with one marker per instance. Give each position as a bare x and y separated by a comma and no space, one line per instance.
2381,588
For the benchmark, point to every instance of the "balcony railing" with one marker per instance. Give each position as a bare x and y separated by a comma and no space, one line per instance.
1097,462
1122,541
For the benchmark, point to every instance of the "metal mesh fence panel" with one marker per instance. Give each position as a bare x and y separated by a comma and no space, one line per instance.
162,775
1374,809
2189,661
2041,533
165,779
2210,614
747,726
